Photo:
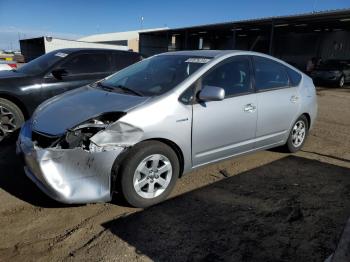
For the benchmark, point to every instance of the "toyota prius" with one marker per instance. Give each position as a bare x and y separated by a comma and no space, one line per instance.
137,131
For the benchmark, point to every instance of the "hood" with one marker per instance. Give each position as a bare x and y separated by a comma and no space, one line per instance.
66,111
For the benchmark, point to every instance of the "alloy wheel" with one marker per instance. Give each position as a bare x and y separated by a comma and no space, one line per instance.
152,176
342,81
298,133
7,122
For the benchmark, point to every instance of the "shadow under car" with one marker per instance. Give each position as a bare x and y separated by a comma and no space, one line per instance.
292,209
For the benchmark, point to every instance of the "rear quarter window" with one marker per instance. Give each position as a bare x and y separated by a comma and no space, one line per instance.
269,74
294,76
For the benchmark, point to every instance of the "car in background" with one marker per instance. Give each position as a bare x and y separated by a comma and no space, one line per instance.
7,65
332,72
138,130
23,89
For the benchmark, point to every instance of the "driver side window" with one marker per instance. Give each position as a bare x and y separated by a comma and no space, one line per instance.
233,76
87,63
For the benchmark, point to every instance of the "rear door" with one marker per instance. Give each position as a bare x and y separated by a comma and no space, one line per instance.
225,128
277,101
81,69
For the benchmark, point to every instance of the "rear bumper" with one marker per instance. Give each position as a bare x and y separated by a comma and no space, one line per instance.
68,175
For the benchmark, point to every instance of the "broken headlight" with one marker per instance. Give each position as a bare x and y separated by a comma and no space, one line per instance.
117,134
80,135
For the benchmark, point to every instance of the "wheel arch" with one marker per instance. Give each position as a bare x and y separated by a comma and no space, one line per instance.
115,183
308,117
17,102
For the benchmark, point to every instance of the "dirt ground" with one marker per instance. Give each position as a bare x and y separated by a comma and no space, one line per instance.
269,206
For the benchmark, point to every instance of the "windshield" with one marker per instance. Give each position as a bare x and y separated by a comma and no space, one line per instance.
42,63
156,75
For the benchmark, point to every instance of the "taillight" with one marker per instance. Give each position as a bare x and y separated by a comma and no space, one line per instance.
13,65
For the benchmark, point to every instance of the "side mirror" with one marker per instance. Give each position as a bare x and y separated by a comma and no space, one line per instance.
211,93
59,73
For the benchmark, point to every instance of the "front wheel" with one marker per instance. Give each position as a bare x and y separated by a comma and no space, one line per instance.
148,173
11,118
298,135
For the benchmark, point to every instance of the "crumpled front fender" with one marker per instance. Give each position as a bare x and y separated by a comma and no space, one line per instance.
69,175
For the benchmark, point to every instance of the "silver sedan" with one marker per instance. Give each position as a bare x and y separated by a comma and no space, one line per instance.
137,131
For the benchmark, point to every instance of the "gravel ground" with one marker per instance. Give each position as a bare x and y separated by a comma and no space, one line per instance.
268,206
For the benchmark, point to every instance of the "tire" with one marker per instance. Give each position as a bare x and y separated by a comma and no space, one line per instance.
11,118
341,81
295,142
136,185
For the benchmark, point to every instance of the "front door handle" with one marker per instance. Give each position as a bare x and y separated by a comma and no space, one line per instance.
294,99
249,108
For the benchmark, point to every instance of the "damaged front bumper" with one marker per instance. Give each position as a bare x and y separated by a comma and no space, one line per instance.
68,175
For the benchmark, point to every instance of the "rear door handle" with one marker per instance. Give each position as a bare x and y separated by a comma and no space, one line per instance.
294,99
249,108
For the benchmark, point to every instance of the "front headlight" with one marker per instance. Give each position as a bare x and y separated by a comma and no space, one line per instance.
80,135
117,134
95,148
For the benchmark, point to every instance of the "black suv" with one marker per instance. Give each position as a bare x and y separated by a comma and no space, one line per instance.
23,89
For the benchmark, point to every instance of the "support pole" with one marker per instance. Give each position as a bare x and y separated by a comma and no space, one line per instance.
234,38
272,37
167,41
186,40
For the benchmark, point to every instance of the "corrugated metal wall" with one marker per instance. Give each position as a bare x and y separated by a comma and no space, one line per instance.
32,48
335,45
294,48
152,44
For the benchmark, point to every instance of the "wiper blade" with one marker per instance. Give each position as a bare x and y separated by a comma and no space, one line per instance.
105,87
127,89
124,88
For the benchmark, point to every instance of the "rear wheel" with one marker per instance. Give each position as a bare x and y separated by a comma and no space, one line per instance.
11,118
148,173
341,81
298,135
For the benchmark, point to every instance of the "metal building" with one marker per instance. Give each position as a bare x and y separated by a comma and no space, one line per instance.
129,38
34,47
294,38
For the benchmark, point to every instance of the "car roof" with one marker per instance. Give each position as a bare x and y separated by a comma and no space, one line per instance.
203,53
76,49
218,53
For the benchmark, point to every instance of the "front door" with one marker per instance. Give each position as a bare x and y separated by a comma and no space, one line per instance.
80,70
225,128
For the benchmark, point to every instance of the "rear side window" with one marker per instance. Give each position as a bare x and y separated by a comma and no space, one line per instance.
233,76
294,76
124,59
87,63
269,74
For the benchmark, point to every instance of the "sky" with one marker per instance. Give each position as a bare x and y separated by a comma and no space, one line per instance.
72,19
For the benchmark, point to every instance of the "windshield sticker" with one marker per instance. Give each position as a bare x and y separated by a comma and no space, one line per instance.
61,54
198,60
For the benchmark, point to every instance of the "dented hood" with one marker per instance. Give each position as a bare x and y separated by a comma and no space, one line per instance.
65,111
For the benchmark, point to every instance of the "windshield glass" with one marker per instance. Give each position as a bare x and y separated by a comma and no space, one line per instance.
156,75
42,63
